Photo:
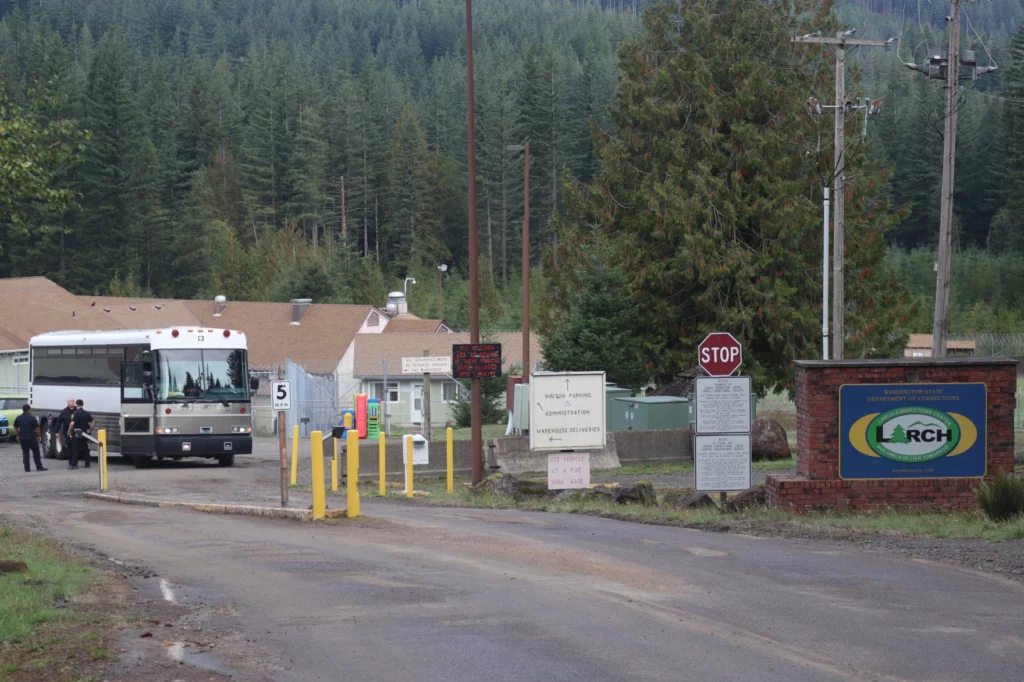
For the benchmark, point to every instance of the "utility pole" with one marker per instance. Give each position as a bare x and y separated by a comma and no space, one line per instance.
476,418
841,108
952,67
525,148
941,322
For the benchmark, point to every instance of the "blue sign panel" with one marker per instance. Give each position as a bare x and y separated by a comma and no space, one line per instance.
912,430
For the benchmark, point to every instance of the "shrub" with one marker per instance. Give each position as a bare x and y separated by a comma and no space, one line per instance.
1003,498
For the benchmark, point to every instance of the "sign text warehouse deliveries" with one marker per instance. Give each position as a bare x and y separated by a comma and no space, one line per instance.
940,427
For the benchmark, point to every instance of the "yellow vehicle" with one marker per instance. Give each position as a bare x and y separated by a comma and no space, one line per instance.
10,407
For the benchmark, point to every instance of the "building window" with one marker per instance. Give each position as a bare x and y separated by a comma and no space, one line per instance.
451,391
377,391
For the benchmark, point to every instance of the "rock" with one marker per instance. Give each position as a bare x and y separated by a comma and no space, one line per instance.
13,567
688,501
746,499
641,492
510,486
768,440
598,494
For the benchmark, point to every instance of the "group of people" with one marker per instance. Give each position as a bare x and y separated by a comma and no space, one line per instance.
73,423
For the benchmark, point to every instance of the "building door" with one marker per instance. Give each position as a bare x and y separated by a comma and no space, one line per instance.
417,404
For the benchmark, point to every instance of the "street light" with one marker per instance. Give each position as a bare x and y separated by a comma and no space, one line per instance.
405,287
441,269
525,148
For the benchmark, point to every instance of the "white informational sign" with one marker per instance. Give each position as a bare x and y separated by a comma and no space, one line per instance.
722,463
437,365
723,404
568,471
567,411
281,395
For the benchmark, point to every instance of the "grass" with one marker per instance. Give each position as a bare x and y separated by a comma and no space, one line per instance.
756,520
29,599
489,431
58,621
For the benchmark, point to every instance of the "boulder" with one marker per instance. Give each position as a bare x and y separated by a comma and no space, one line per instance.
509,486
768,440
13,567
641,492
746,499
598,494
688,501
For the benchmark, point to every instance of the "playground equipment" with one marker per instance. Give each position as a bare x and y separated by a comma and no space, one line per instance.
373,418
361,401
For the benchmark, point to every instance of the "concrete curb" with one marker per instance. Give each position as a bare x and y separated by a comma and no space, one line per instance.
238,509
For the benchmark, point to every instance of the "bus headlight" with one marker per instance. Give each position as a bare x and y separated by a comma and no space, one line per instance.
242,429
166,429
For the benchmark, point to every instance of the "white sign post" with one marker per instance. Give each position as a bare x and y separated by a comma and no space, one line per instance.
567,411
569,471
441,364
723,404
722,463
281,395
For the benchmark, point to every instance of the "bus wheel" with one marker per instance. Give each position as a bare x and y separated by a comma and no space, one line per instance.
141,461
226,461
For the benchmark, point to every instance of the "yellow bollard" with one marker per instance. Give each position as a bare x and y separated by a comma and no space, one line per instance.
383,465
352,471
316,460
101,436
449,436
334,468
408,466
295,455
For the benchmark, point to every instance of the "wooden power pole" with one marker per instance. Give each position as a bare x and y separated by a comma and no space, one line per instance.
941,322
841,108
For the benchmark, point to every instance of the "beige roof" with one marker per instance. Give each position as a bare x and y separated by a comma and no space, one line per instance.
925,341
371,350
318,343
414,325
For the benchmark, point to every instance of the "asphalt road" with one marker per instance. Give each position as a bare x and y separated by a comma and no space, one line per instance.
427,593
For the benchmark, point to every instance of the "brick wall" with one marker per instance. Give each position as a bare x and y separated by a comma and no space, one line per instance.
816,484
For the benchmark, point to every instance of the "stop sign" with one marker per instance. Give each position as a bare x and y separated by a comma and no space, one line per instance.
720,354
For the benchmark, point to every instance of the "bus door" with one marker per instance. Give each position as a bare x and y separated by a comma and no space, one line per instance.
137,409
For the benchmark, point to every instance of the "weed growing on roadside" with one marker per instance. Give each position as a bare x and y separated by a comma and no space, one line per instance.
1003,498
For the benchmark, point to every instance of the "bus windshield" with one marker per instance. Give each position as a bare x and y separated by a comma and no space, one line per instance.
201,375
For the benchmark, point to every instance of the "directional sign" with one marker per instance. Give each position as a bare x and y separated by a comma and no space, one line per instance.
720,354
281,395
441,364
567,411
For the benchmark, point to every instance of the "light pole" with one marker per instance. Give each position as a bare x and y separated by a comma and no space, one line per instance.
441,269
525,148
405,288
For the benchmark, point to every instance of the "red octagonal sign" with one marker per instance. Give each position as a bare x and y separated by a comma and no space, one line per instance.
720,354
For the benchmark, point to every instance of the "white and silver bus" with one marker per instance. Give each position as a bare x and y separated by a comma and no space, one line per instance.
164,393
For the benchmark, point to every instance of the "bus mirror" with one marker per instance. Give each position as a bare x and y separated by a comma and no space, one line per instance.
147,378
254,383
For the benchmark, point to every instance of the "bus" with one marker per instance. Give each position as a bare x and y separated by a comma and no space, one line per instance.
160,393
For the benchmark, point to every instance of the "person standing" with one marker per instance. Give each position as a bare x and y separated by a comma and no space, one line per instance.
63,423
80,420
26,429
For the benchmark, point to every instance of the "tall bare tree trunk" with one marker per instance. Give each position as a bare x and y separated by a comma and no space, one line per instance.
504,229
344,218
490,241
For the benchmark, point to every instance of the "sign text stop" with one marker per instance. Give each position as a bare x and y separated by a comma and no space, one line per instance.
720,354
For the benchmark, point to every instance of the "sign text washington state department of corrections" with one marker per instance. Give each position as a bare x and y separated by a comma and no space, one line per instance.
567,411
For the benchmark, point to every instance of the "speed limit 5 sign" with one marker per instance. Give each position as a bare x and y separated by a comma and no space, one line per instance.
281,395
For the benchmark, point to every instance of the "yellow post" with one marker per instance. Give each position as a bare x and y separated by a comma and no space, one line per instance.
383,465
295,455
334,468
451,458
353,473
316,459
408,466
101,436
348,421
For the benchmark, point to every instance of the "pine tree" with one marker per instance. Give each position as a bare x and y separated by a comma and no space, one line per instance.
406,190
1008,226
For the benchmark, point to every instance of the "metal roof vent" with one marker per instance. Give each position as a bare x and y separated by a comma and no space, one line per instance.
219,304
299,308
397,305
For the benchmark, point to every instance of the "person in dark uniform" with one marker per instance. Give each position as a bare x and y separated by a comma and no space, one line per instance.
63,423
26,429
81,419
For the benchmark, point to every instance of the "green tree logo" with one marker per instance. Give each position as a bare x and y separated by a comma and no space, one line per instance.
898,435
